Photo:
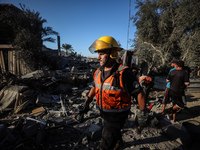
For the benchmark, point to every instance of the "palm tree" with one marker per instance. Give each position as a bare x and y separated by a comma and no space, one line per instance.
68,48
36,23
27,32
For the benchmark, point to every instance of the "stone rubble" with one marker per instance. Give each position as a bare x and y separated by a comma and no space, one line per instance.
48,102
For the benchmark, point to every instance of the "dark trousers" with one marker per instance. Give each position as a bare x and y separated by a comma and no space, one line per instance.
177,99
166,97
112,131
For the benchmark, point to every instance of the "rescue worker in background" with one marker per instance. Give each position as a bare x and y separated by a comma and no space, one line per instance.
166,97
147,83
113,87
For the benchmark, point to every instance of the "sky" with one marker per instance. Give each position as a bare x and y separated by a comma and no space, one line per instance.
81,22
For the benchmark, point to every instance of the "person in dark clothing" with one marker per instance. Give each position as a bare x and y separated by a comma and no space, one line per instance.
178,81
114,84
166,97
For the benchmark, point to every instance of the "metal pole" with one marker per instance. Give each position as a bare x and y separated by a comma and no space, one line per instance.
58,40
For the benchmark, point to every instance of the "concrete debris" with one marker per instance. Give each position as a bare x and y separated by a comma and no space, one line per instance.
9,96
46,99
38,112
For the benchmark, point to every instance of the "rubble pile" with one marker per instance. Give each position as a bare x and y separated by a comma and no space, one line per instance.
40,111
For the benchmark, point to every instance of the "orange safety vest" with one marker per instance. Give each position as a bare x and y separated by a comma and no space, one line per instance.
146,79
111,98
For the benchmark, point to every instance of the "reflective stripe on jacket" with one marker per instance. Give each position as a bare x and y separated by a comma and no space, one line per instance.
111,98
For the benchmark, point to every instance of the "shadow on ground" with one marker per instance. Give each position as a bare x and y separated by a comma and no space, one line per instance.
188,113
191,98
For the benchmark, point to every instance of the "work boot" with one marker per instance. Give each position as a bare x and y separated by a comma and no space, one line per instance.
119,144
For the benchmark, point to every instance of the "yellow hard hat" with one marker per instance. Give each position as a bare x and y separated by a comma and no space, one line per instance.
104,43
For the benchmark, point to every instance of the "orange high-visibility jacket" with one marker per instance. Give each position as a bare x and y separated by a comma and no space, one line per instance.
111,98
146,79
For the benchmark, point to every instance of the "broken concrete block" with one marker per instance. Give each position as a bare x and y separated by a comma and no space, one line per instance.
58,119
85,93
55,113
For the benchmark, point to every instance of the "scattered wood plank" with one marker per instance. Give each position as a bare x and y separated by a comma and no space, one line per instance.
2,63
38,111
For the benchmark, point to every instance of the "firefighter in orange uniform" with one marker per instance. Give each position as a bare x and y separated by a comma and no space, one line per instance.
113,87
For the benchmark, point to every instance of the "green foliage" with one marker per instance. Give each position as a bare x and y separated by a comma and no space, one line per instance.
69,49
167,29
28,34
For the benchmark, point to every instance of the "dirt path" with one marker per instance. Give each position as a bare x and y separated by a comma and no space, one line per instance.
156,138
193,108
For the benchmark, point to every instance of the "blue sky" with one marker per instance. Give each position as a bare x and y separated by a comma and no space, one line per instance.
81,22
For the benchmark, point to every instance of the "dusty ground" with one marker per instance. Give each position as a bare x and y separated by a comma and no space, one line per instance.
77,137
156,138
193,106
